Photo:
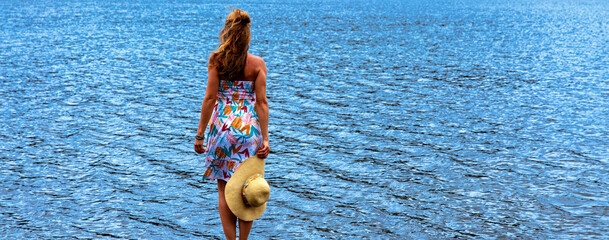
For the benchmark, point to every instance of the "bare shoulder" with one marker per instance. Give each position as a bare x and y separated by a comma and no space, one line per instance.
212,60
256,62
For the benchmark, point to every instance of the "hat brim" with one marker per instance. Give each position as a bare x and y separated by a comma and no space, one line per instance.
234,186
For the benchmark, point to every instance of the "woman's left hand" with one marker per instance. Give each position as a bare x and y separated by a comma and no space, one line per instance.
264,151
199,146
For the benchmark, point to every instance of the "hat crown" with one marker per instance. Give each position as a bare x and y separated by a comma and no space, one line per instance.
257,191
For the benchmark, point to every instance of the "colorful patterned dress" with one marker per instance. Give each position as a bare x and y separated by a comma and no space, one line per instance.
234,131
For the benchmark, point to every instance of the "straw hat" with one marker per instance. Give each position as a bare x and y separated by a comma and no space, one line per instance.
246,191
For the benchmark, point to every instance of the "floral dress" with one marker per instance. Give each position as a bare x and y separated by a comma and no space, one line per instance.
234,131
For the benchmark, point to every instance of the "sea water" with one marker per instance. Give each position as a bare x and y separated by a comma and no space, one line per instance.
388,119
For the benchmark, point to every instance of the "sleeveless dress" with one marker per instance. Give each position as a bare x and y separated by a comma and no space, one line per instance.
234,131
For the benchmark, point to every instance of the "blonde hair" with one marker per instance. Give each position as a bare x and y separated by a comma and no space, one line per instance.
235,37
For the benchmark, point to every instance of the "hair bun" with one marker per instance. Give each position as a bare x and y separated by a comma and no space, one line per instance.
238,16
243,17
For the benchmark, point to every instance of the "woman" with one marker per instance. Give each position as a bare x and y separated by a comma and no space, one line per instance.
235,99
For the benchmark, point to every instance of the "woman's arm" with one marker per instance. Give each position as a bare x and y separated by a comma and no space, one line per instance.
211,95
262,109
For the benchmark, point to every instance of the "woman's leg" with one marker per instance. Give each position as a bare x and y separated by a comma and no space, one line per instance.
244,229
229,221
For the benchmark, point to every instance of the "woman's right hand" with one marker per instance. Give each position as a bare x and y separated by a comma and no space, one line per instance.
264,150
199,146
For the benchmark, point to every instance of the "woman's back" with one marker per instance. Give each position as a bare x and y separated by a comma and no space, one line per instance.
234,131
253,66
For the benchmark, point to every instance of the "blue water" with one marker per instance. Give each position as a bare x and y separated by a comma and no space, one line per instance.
388,119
